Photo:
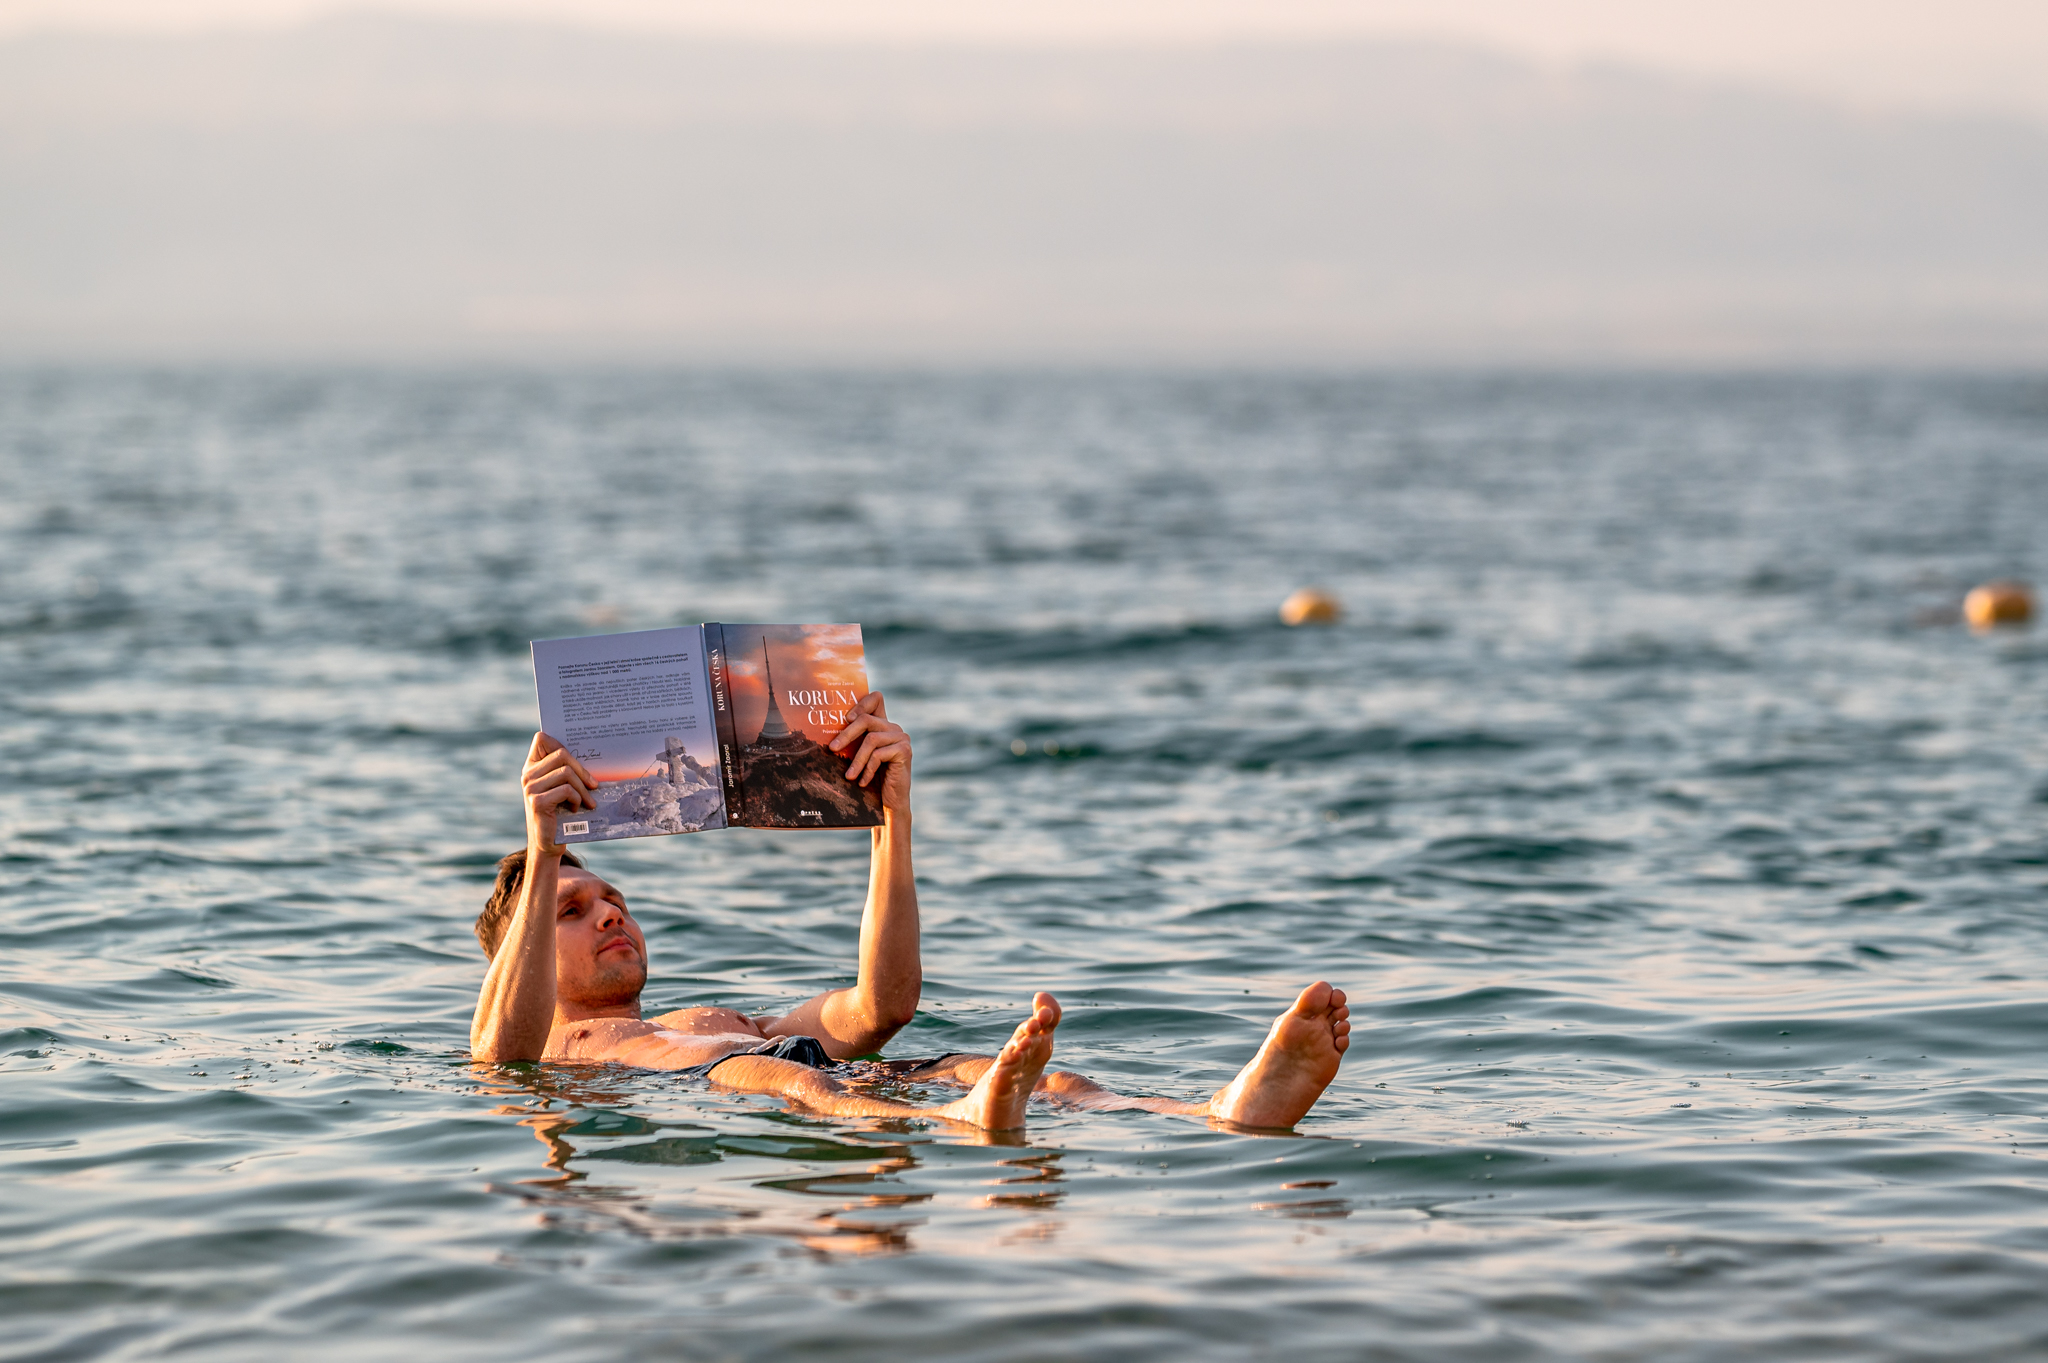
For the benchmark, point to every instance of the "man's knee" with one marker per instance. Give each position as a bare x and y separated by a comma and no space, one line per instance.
767,1074
1066,1083
961,1069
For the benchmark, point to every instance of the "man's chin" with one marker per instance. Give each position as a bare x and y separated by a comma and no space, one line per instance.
617,981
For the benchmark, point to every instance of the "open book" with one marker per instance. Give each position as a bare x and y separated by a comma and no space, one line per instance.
708,726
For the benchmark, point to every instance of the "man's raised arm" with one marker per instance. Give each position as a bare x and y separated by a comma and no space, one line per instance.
515,1011
860,1020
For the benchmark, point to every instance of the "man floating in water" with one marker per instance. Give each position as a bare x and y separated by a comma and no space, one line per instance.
568,964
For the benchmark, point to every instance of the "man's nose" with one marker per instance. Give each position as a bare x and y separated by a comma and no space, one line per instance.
609,915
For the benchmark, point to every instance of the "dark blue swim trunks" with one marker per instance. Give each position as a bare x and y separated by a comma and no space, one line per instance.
807,1050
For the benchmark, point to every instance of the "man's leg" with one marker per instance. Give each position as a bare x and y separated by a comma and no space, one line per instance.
1295,1064
1002,1086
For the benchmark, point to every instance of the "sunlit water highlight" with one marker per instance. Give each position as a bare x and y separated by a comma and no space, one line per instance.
1687,878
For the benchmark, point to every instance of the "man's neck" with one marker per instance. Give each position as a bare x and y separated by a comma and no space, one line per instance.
567,1010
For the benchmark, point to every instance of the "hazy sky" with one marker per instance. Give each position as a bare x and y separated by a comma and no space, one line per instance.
393,190
1970,54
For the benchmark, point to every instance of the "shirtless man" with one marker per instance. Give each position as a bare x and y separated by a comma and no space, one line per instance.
568,964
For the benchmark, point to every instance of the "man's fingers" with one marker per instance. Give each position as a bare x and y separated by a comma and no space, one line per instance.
845,736
579,798
548,754
550,767
562,799
880,740
562,760
557,798
866,724
873,754
882,757
861,756
547,780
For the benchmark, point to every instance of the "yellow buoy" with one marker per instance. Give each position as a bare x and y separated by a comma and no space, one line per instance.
1998,603
1311,606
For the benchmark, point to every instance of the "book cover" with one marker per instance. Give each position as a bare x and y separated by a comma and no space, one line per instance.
635,709
791,688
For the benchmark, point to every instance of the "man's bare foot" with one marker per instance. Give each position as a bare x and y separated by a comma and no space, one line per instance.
1297,1062
997,1100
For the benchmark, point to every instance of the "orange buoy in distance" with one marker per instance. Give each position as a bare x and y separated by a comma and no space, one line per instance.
1311,606
1998,603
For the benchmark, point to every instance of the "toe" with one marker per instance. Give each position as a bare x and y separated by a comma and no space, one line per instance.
1314,999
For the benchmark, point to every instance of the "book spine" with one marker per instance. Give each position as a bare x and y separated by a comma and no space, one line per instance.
721,709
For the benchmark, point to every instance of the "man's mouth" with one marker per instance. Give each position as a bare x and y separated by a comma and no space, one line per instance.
625,942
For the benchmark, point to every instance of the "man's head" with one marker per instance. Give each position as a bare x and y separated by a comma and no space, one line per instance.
600,954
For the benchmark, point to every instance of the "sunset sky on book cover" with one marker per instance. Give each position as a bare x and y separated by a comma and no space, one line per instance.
818,672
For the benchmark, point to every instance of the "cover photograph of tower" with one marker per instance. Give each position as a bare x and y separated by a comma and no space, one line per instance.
792,688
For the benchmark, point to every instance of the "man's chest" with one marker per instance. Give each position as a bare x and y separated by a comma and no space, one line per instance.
708,1022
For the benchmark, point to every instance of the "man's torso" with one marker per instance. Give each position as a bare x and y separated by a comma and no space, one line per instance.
685,1037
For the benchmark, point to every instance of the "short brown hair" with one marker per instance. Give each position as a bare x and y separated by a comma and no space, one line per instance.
491,923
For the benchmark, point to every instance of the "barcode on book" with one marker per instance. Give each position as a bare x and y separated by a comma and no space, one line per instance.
570,830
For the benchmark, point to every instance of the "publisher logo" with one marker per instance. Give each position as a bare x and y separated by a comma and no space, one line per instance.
570,830
810,813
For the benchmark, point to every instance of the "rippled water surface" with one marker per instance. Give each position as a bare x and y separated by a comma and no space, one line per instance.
1686,869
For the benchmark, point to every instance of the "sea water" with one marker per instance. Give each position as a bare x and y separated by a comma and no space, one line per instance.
1684,861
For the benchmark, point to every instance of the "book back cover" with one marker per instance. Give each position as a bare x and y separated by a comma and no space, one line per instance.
791,688
635,709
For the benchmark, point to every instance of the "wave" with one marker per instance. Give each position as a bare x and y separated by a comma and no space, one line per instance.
959,750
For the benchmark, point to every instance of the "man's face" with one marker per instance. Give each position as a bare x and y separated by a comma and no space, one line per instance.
600,955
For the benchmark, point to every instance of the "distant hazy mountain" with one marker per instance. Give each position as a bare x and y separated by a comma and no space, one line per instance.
382,188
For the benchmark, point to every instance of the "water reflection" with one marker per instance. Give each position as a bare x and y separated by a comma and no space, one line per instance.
582,1115
1308,1209
1042,1168
870,1182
